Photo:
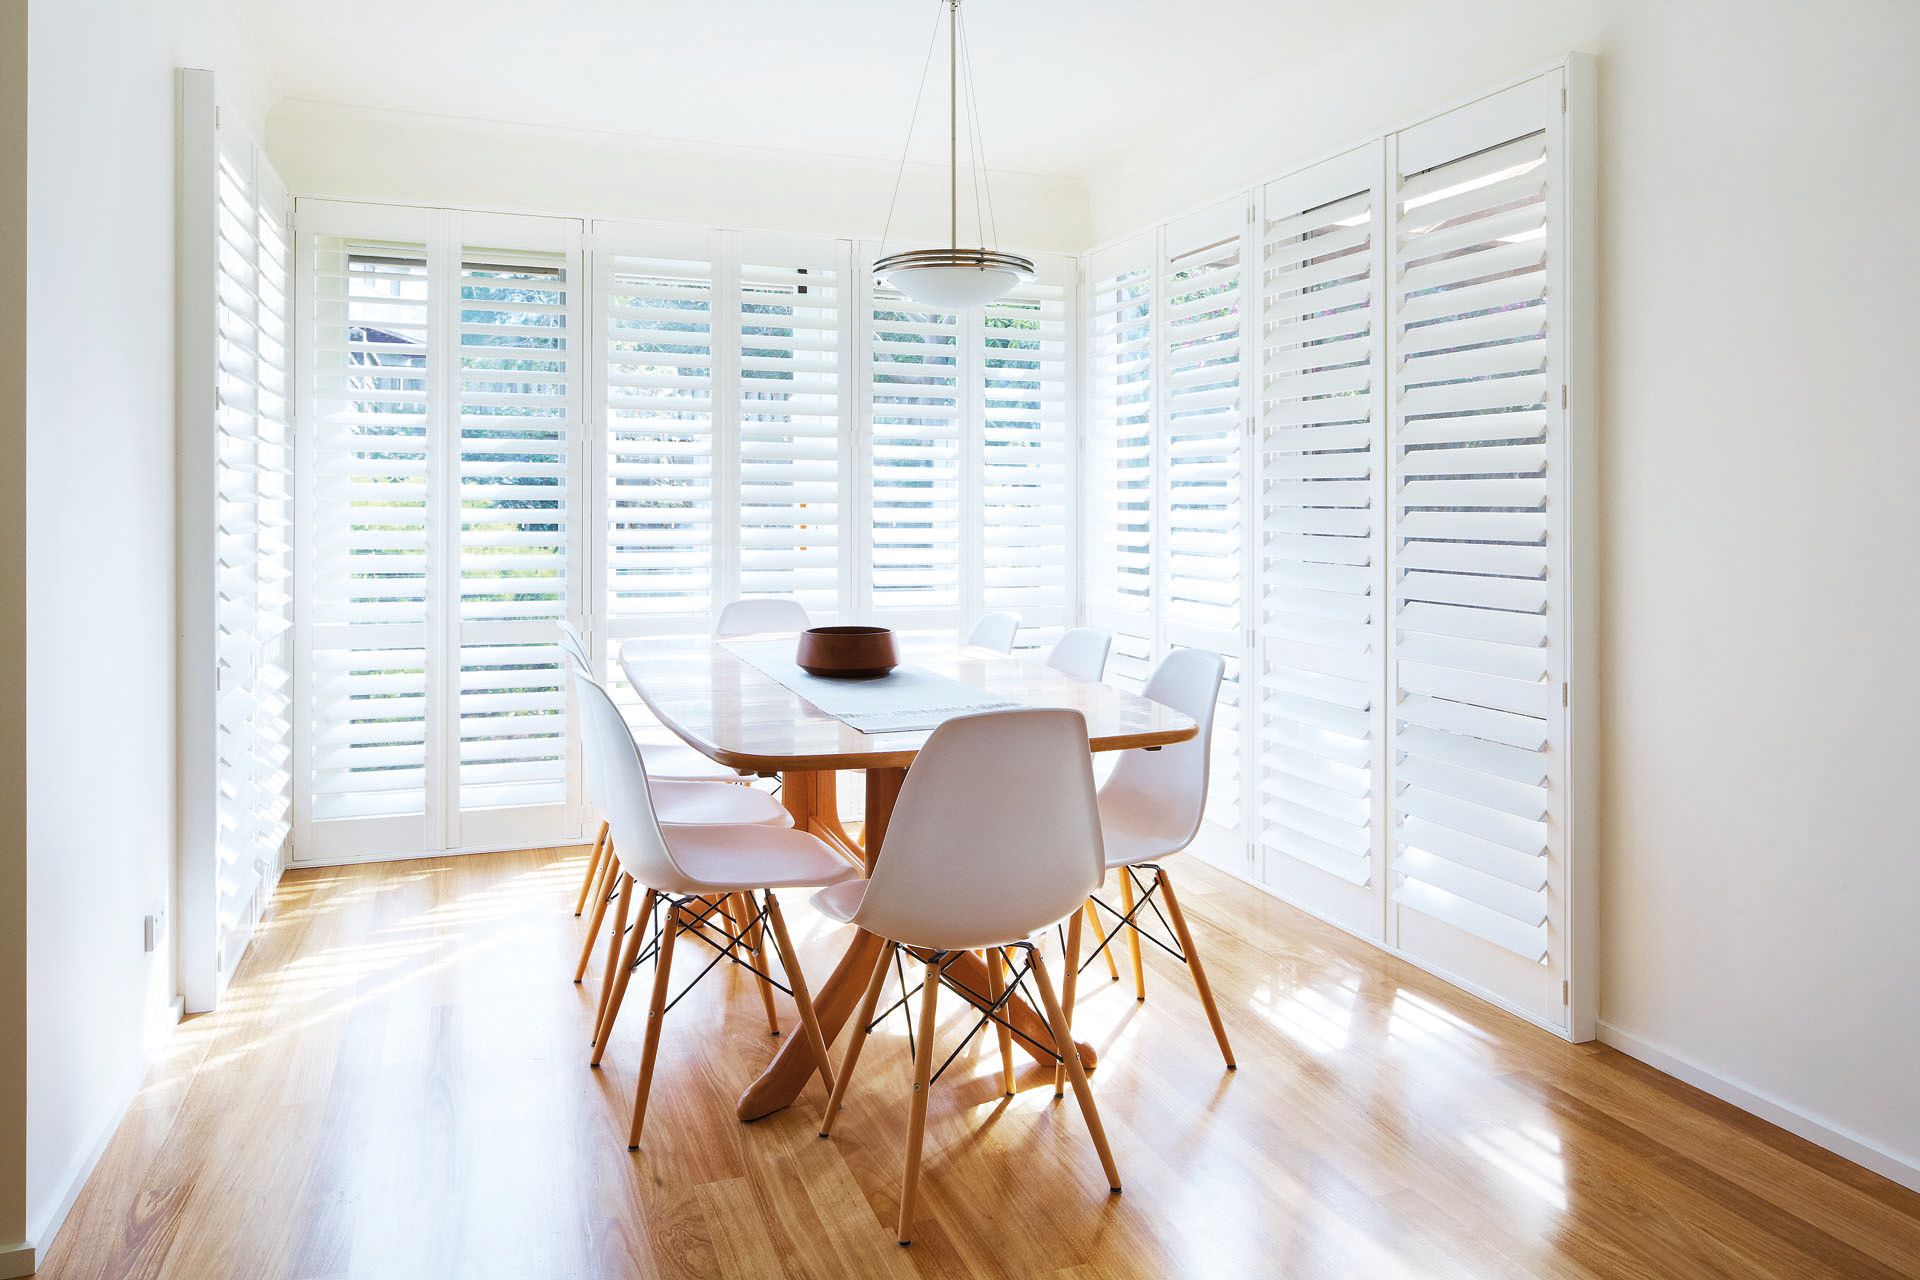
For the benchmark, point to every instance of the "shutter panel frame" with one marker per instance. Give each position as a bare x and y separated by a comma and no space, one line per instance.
1319,566
1478,647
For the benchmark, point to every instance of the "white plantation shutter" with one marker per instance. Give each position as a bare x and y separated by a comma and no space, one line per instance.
659,449
1407,559
1202,417
656,302
967,451
1478,544
520,371
917,436
367,548
1117,503
1202,434
1320,545
236,538
1026,530
791,321
443,394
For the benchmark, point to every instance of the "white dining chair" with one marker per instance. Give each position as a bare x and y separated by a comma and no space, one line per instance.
961,875
687,870
1150,808
675,802
760,615
1081,653
667,759
995,631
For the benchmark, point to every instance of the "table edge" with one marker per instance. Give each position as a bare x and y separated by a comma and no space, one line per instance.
746,763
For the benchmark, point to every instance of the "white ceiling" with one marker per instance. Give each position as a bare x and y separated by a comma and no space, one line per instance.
1064,84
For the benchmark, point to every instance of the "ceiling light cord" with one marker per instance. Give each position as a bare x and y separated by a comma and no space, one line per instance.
925,69
985,179
973,139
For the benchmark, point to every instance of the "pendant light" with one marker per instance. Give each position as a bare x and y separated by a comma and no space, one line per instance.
952,278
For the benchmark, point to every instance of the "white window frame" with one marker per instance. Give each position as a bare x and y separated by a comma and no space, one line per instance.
443,827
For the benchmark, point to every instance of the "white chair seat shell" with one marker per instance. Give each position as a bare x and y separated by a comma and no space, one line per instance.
731,858
1082,653
713,804
680,762
840,901
1136,832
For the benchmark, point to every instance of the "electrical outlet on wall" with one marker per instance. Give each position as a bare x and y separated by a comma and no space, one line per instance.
156,928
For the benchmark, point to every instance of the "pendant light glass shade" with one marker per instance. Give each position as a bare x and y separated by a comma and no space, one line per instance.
952,279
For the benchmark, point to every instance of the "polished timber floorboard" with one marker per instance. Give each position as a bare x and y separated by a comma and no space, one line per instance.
397,1086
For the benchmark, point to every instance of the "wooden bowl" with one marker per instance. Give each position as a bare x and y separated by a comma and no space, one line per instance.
847,653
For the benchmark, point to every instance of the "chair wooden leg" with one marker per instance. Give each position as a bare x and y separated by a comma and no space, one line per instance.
1093,923
593,869
917,1111
1071,982
603,1030
790,961
1057,1022
755,941
1133,936
656,1014
1199,974
616,943
857,1039
996,987
609,867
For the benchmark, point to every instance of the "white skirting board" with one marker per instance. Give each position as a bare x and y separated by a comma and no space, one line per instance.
74,1178
1903,1169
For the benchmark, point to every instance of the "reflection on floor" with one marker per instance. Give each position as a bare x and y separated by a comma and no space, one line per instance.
398,1087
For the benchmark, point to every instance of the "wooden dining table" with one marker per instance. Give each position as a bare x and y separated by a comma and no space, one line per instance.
739,715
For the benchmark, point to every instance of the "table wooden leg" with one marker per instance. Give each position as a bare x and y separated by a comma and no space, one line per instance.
837,997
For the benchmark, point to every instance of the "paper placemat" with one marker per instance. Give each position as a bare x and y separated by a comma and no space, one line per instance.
907,699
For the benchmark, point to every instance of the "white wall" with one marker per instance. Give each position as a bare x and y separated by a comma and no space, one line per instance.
99,563
355,153
14,1254
1760,871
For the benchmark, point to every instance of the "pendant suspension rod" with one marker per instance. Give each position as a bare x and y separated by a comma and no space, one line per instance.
953,123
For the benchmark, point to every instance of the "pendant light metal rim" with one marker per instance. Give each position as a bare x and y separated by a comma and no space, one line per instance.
979,259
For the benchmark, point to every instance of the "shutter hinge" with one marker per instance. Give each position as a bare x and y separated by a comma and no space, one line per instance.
1565,399
1565,998
216,117
1563,693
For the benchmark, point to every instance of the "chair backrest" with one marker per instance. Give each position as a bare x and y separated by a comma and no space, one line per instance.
996,833
761,614
589,745
1172,782
574,645
624,797
995,631
1082,653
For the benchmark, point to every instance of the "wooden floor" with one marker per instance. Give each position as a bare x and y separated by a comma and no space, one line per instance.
398,1087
